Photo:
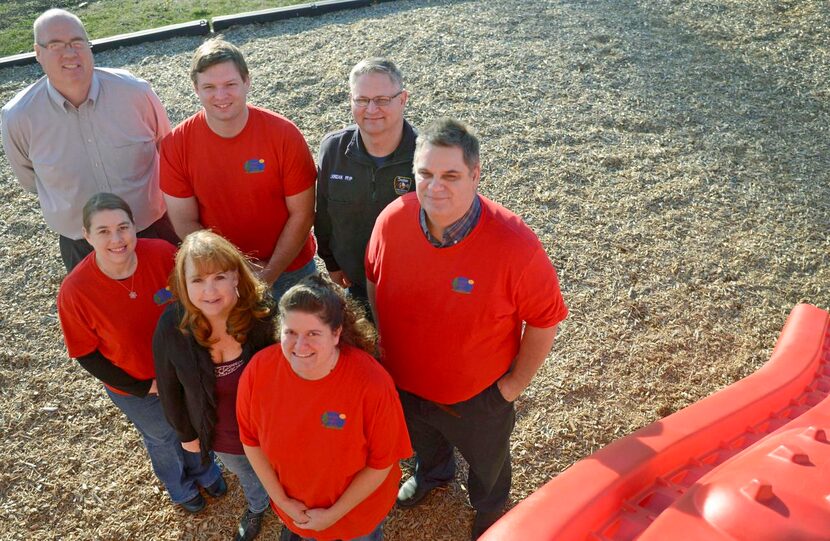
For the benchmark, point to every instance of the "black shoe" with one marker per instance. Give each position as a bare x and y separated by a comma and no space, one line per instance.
249,526
194,504
484,521
411,493
218,488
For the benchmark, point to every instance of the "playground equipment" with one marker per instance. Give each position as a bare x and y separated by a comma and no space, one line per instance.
751,462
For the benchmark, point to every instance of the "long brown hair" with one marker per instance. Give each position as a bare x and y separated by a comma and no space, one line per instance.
318,296
210,253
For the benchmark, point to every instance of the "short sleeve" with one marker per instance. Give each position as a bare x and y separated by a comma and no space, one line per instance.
248,433
538,298
299,172
385,427
372,259
78,334
173,177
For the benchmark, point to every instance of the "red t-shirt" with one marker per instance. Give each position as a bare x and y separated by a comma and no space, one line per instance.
450,319
318,435
241,182
96,312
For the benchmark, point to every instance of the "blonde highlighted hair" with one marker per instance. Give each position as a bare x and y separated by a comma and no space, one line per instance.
211,253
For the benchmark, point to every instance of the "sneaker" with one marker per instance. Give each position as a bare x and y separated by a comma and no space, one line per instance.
194,504
411,493
218,488
249,526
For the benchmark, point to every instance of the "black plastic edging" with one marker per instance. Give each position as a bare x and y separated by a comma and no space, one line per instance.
192,28
286,12
202,27
21,59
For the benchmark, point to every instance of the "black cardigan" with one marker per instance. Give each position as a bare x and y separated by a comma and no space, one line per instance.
185,376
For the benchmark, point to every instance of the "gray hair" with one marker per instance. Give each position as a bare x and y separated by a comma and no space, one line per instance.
55,13
446,132
376,64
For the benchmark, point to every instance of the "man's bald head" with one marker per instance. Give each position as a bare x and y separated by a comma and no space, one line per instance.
51,14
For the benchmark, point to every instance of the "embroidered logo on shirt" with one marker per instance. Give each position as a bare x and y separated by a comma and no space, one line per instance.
332,419
162,296
463,285
402,185
338,176
254,166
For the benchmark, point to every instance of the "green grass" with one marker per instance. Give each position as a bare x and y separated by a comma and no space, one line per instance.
104,18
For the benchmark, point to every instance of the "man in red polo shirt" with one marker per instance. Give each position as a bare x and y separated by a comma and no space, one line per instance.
467,304
243,171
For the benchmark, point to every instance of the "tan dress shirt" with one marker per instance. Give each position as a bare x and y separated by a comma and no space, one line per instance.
108,144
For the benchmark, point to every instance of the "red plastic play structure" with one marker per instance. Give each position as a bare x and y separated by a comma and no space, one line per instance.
751,462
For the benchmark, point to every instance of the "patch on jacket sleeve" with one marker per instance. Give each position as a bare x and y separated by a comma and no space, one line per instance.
402,185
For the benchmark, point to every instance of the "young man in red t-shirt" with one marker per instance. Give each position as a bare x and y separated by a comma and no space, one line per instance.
467,304
243,171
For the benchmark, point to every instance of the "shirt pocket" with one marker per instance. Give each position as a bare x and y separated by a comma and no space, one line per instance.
131,161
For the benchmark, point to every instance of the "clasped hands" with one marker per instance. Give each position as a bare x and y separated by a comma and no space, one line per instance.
310,519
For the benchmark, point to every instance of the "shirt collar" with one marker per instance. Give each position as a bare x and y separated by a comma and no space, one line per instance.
59,100
456,231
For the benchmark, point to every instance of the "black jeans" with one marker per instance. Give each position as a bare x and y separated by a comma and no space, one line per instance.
479,428
74,251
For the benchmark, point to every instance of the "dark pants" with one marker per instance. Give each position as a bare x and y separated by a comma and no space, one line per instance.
74,251
357,292
374,535
479,428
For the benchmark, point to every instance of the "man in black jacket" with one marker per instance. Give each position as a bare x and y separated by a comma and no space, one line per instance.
361,169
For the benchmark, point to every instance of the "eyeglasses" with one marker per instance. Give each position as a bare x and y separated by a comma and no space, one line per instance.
60,46
379,101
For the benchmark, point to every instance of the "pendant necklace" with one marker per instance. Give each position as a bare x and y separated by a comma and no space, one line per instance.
131,289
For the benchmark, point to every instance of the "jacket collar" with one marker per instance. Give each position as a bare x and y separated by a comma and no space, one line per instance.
357,151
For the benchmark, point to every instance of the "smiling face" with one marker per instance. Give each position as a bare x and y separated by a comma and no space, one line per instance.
444,183
112,235
223,93
69,70
211,291
309,344
373,120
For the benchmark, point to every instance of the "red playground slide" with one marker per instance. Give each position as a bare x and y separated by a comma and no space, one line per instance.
751,462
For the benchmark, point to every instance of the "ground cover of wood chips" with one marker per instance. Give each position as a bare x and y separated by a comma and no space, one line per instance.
672,156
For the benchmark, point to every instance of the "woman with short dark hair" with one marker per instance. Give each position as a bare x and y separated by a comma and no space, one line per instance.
108,307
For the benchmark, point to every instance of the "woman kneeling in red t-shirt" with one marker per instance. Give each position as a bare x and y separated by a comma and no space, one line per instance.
320,420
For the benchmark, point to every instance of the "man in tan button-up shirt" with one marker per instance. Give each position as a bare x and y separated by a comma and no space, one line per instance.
81,130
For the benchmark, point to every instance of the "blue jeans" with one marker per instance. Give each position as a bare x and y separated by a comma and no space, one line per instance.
288,279
181,472
255,493
374,535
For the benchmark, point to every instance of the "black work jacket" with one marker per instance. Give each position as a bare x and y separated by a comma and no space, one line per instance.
352,191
